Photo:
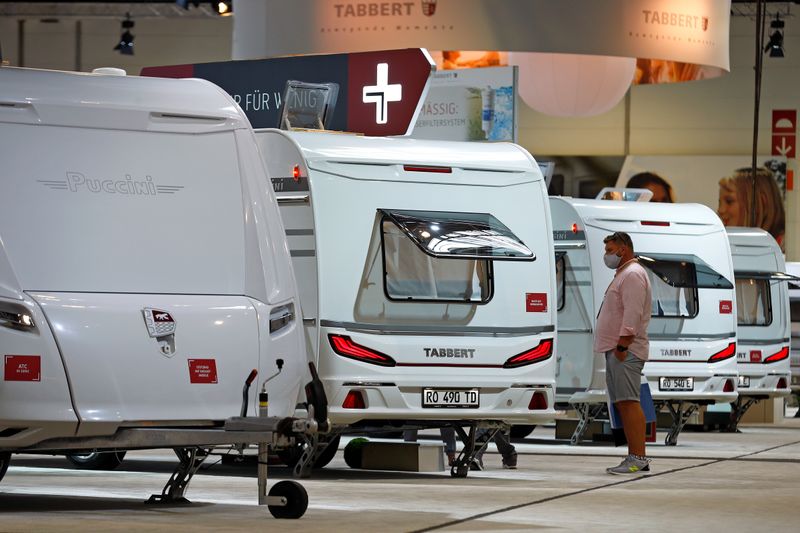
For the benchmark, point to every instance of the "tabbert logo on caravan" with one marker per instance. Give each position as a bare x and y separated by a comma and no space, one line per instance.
383,9
77,182
675,352
466,353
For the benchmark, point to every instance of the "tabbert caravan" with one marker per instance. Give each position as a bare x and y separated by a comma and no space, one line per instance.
693,326
764,323
426,277
144,272
793,269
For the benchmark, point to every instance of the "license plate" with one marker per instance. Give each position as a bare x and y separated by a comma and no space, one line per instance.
452,398
676,384
744,382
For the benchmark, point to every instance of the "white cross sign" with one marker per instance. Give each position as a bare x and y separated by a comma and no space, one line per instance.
382,93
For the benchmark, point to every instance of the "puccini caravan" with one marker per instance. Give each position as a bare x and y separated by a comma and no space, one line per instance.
144,275
762,310
693,325
426,277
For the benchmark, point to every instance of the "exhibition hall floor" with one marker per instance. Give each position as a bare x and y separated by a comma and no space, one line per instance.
710,481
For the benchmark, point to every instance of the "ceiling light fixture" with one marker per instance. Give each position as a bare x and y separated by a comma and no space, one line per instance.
125,44
775,44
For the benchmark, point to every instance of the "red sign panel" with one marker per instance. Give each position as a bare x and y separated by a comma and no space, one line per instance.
784,145
23,368
725,307
536,302
755,356
784,121
202,370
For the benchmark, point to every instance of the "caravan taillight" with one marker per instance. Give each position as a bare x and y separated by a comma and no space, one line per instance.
574,228
296,172
781,383
419,168
344,346
727,353
779,356
728,387
541,352
654,223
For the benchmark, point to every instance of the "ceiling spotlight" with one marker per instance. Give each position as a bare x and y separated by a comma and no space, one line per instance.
125,45
775,44
225,8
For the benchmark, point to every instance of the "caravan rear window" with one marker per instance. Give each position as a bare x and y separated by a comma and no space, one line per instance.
753,302
444,256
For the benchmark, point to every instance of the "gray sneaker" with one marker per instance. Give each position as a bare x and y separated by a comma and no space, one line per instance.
630,465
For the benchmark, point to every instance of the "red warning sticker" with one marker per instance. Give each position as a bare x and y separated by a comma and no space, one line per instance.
725,307
202,370
536,302
23,368
755,356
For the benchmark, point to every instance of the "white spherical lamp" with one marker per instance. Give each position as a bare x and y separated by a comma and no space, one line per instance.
569,85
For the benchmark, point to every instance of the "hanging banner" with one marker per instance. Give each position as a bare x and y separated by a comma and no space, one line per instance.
380,93
469,105
687,31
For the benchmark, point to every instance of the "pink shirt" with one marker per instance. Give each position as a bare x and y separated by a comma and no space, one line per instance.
625,311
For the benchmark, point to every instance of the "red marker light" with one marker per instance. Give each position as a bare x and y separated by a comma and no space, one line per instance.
421,168
654,223
354,400
296,173
574,228
538,402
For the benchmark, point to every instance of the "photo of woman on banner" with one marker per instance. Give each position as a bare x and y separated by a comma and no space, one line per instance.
736,202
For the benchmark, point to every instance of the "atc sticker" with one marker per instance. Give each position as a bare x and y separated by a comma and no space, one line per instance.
202,370
536,302
755,356
725,307
23,368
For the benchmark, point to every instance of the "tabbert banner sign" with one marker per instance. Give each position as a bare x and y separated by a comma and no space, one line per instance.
380,93
690,31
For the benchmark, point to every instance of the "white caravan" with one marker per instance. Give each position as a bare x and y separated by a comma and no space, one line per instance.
793,269
693,326
144,273
426,277
762,310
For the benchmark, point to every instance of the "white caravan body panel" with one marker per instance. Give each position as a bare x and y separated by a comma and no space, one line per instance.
793,268
335,226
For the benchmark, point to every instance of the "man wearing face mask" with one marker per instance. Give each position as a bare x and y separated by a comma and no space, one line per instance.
621,334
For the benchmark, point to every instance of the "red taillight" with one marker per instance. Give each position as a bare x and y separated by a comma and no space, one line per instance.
543,351
296,172
728,386
419,168
574,228
727,353
538,402
344,346
782,383
780,356
354,400
654,223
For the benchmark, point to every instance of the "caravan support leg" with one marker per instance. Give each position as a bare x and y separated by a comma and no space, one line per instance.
471,449
587,412
305,465
190,461
679,419
738,409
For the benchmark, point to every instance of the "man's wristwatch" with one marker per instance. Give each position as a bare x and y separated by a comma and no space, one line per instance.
621,348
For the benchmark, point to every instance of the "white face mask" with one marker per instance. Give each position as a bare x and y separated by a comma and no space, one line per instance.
612,260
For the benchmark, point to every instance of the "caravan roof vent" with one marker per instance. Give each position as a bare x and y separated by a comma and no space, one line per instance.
110,71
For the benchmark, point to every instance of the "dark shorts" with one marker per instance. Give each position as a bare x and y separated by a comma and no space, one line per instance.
623,378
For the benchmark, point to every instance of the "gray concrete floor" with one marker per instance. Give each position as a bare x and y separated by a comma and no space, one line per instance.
710,481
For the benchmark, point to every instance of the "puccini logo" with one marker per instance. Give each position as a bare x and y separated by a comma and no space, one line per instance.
79,183
383,9
680,20
466,353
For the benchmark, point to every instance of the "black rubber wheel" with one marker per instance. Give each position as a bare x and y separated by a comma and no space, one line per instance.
296,499
5,459
96,460
520,432
290,456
